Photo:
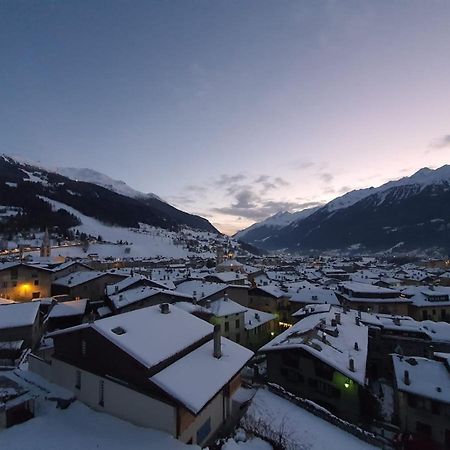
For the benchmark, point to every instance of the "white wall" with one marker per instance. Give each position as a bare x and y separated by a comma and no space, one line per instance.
119,401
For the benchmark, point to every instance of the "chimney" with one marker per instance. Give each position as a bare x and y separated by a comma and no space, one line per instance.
120,297
406,379
164,307
356,347
333,322
338,318
357,321
116,289
225,297
351,364
217,344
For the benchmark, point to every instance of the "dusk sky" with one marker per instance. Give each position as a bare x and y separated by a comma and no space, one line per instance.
233,110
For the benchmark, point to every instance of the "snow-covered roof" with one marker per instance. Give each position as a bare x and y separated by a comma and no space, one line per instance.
316,335
254,318
225,307
273,291
228,277
200,289
202,375
18,314
422,296
315,294
77,278
150,336
427,378
66,309
364,288
139,293
130,281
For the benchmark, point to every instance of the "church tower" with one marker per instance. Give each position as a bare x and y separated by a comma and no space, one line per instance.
46,246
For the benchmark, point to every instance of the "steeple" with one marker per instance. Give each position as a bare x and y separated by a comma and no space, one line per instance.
46,246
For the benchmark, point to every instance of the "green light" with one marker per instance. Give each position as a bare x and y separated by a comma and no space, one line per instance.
346,385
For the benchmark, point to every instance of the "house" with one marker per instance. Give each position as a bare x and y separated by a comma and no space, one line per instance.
422,388
371,298
23,282
429,303
20,322
134,281
85,284
260,327
227,277
270,298
203,290
66,268
157,367
312,294
140,297
323,358
67,314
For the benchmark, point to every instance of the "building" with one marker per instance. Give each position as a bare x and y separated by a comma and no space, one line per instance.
260,327
323,358
85,284
429,303
157,367
371,298
67,314
20,323
422,388
23,282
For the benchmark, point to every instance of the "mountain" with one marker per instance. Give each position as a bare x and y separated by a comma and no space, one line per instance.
92,176
27,191
257,233
409,214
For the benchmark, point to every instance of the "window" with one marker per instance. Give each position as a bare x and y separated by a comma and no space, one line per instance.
36,282
290,359
237,323
77,379
203,431
324,372
5,284
238,337
423,428
36,295
14,274
34,275
227,326
14,284
101,393
83,347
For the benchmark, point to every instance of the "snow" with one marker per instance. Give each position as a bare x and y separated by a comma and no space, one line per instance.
428,378
314,294
255,318
250,444
225,307
77,278
145,242
200,289
203,375
92,176
316,338
77,427
301,429
137,294
279,220
18,314
150,336
67,309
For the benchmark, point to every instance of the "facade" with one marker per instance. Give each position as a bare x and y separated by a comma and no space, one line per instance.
323,358
422,389
23,282
85,284
123,366
371,298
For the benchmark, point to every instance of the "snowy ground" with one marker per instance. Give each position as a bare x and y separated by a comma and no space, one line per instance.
78,427
143,243
302,430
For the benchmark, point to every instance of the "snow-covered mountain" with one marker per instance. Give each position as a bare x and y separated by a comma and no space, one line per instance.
23,186
260,230
92,176
409,213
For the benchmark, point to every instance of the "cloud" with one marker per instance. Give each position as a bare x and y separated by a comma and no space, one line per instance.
440,143
326,177
228,180
301,165
345,189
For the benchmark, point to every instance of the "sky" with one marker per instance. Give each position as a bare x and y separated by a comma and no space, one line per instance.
233,110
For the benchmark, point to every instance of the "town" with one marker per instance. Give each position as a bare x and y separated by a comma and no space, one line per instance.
196,347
